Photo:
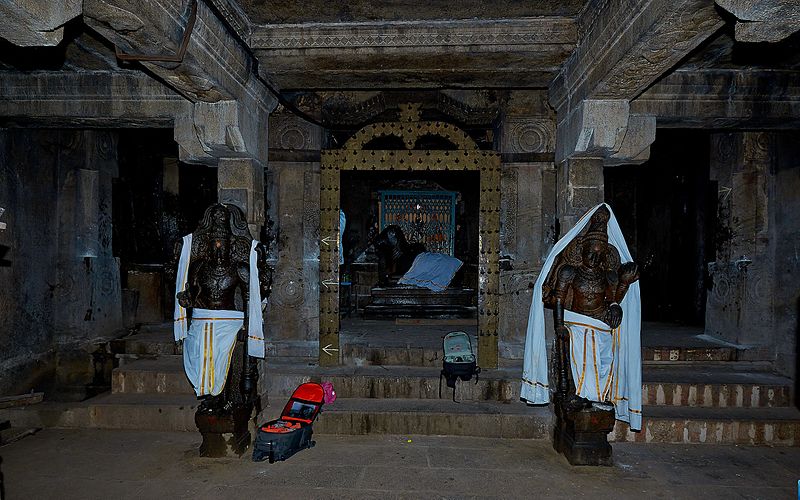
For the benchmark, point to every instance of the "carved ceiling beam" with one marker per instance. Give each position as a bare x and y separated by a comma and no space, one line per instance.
122,98
624,49
192,50
763,20
723,98
31,23
467,53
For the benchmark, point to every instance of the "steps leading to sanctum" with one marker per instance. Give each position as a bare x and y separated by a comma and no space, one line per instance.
740,426
722,401
435,417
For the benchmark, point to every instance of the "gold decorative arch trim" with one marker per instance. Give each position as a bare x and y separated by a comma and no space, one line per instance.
410,133
468,157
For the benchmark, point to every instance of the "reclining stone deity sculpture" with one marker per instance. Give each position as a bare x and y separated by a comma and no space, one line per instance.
588,279
215,280
395,253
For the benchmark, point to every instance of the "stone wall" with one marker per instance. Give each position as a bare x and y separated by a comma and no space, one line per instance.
60,284
754,296
527,230
292,327
784,210
527,211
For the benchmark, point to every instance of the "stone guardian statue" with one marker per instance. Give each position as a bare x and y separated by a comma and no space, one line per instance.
221,278
596,373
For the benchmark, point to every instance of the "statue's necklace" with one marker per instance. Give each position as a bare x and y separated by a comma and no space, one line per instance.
591,277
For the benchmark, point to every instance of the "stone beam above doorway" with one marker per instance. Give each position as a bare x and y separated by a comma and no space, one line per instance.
120,99
187,46
32,23
724,98
468,53
763,20
624,50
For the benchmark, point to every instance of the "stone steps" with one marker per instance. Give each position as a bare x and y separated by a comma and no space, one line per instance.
739,426
169,412
355,416
716,386
434,417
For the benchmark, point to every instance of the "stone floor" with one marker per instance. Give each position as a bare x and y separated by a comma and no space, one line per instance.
89,464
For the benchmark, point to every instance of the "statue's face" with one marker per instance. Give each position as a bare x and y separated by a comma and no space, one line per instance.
593,251
220,218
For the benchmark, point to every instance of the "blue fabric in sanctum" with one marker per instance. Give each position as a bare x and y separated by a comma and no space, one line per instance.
431,270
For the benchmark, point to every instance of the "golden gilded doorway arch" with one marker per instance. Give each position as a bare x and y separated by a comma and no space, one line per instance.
466,156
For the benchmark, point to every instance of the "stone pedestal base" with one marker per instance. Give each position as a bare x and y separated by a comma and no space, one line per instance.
582,436
224,435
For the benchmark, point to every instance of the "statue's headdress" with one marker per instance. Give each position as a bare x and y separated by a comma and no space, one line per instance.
598,226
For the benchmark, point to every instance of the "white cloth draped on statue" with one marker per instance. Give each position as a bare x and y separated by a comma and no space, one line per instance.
255,320
208,347
626,352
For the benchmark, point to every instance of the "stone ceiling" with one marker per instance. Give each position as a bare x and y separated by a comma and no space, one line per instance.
319,44
262,12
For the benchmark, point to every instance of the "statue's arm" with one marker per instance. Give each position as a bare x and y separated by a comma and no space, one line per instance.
264,271
564,279
187,295
613,314
628,273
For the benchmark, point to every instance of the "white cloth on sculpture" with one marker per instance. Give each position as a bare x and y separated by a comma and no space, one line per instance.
255,320
181,324
208,348
591,355
627,355
342,224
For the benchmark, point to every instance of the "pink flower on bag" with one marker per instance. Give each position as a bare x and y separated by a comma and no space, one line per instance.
330,394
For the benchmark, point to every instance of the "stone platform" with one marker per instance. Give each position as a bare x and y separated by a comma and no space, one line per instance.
415,302
389,385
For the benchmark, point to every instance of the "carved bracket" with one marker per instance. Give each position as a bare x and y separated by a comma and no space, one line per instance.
36,22
206,132
605,128
763,20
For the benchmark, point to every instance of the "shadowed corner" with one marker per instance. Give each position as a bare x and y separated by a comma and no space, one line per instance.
2,482
3,251
797,367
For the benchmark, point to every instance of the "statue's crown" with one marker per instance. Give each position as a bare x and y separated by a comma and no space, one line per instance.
598,225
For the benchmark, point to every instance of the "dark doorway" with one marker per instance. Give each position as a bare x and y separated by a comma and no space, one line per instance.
667,210
157,200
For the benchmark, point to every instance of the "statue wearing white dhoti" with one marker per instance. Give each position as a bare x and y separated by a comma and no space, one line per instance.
597,319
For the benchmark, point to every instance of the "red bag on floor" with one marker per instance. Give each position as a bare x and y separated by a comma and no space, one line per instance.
279,439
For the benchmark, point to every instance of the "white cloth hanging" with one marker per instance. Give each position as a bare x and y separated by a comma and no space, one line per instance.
627,392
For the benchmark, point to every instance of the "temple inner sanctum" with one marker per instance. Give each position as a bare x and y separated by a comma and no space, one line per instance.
206,203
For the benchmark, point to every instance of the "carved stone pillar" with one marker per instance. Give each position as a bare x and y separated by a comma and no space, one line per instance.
240,182
579,187
740,302
527,212
293,310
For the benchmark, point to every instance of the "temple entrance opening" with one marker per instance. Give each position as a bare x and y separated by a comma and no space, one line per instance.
156,200
667,209
409,266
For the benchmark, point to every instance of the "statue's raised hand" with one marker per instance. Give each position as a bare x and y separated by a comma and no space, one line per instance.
628,272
